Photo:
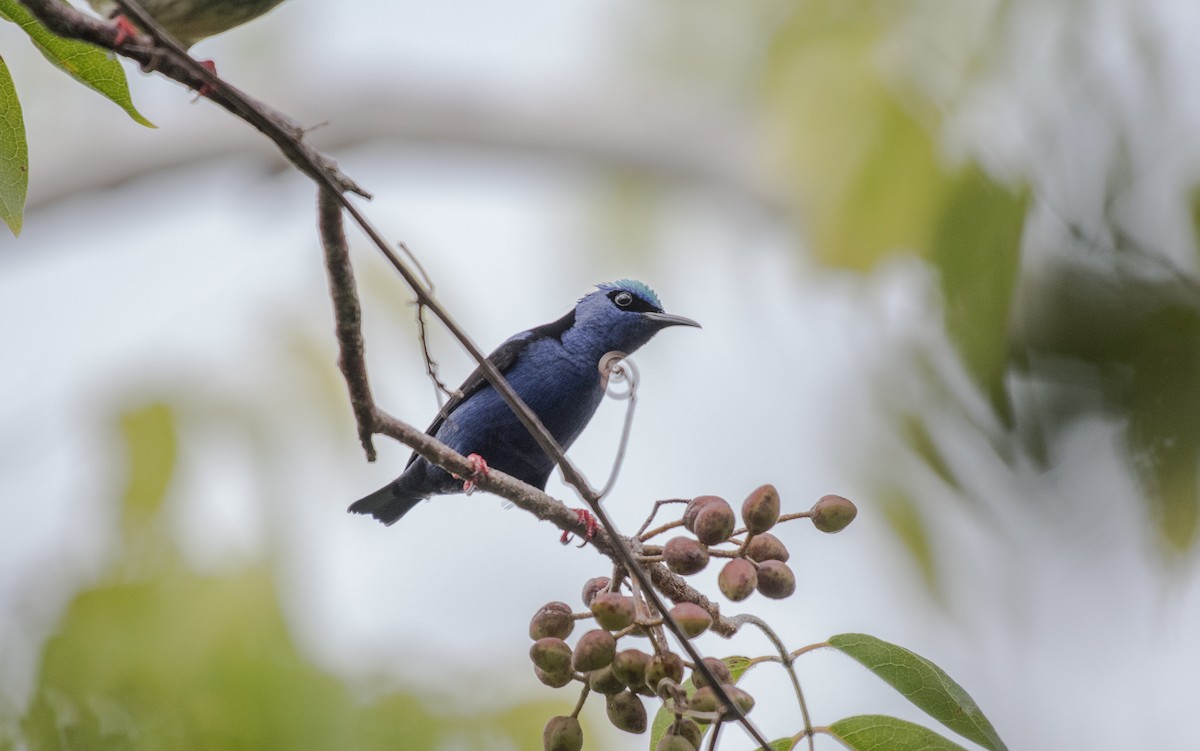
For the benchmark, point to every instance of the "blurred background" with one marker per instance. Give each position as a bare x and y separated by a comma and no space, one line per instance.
945,260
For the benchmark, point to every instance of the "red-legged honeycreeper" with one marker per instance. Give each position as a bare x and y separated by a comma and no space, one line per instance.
555,369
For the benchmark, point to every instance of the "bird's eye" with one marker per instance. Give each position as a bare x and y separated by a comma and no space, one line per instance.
623,299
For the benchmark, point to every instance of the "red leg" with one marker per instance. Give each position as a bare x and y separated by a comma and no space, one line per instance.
205,90
479,468
125,30
588,520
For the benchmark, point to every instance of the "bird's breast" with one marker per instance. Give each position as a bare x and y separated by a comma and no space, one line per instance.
561,388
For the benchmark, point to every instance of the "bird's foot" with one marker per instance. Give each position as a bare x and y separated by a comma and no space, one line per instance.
206,89
479,469
125,30
588,520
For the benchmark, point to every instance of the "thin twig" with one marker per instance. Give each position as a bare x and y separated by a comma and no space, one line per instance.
440,390
642,534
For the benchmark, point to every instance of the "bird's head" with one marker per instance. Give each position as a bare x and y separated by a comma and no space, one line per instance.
624,315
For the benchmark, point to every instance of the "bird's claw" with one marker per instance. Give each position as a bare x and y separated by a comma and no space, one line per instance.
479,469
589,521
125,30
206,89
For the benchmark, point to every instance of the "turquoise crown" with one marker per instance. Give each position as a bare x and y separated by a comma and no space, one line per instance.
634,286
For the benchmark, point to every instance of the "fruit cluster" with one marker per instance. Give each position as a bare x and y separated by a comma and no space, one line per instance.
756,562
621,676
759,561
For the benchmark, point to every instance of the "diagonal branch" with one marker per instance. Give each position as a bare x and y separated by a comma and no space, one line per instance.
160,53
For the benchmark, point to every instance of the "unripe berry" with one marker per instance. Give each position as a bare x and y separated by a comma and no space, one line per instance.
693,619
562,734
604,681
766,547
555,678
629,666
685,556
715,523
613,611
662,666
717,667
738,579
593,587
626,712
694,507
833,513
674,743
552,619
743,700
595,650
776,580
760,510
551,654
687,728
704,700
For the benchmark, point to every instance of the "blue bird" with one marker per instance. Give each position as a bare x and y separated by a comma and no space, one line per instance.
555,369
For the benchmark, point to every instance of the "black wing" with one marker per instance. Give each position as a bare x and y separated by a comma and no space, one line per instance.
502,359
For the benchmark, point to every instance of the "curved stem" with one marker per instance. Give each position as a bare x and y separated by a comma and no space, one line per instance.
583,695
786,658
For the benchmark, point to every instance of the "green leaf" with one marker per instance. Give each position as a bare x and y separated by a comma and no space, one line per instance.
1164,412
737,665
784,744
977,248
924,684
903,513
14,154
854,148
880,733
84,62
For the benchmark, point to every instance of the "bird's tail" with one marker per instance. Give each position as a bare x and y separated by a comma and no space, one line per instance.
389,503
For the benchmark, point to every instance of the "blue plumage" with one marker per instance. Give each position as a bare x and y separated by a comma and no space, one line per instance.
555,370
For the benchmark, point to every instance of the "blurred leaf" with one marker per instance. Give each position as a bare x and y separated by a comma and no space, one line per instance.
14,154
878,732
924,684
865,173
1124,343
1194,202
916,435
182,662
86,63
977,248
398,721
523,724
903,514
783,744
1164,427
150,446
737,665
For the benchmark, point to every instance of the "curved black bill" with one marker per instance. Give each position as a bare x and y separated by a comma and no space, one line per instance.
666,319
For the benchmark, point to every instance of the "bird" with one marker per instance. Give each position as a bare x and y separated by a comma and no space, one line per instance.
556,370
189,21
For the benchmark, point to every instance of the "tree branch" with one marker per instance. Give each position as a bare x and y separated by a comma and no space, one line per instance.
347,317
160,53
